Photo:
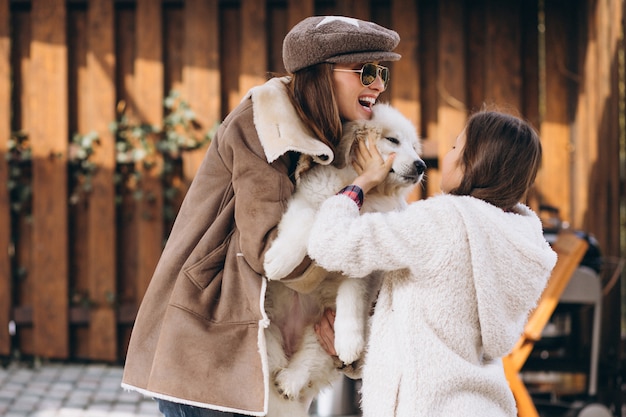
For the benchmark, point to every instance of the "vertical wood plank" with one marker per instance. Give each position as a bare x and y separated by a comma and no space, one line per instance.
325,8
586,141
503,70
477,54
615,17
530,48
48,106
148,95
201,77
78,207
230,55
6,287
125,41
451,85
603,166
359,9
554,178
277,28
21,226
429,28
253,64
101,272
126,241
406,95
599,213
297,10
174,28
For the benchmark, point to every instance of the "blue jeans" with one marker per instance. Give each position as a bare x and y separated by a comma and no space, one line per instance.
171,409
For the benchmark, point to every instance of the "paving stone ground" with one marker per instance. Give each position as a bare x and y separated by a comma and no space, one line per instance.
69,390
90,390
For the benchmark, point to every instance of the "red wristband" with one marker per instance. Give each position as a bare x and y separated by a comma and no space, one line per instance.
354,192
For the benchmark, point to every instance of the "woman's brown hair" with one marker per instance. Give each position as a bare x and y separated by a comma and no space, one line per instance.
501,157
312,94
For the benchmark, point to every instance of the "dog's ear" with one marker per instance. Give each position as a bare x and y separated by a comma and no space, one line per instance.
353,132
305,163
343,153
368,132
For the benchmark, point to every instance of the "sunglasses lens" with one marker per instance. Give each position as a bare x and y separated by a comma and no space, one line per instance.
368,74
384,74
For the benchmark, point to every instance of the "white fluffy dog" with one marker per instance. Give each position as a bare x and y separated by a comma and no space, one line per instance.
298,365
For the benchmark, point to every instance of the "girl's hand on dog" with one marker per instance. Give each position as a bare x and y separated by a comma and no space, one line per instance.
325,331
370,166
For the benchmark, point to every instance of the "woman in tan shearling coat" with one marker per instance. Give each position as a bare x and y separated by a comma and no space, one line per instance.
198,343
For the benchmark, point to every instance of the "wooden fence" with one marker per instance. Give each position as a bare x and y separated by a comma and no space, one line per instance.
76,265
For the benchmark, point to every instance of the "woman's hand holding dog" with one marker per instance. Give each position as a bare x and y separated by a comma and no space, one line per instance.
370,166
326,332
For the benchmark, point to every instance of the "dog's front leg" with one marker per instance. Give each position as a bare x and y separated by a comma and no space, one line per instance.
289,248
351,318
310,368
276,358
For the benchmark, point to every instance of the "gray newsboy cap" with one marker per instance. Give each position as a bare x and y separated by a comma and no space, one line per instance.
337,39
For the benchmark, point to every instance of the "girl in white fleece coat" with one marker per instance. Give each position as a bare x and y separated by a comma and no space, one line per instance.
463,271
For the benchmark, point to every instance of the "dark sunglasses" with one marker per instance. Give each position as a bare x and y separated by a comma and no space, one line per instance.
369,72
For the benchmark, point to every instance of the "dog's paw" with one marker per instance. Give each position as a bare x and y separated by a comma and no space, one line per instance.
290,384
349,342
282,258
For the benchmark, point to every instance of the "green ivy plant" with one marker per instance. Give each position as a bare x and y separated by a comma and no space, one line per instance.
136,143
82,167
20,191
19,185
147,145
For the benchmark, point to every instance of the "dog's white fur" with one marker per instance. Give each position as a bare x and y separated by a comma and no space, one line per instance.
298,365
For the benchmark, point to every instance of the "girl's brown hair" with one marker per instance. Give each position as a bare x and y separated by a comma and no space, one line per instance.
312,94
500,160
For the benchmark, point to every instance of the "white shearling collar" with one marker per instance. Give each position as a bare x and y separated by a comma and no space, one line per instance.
279,127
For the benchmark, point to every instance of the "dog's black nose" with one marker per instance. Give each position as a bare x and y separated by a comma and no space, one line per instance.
420,166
